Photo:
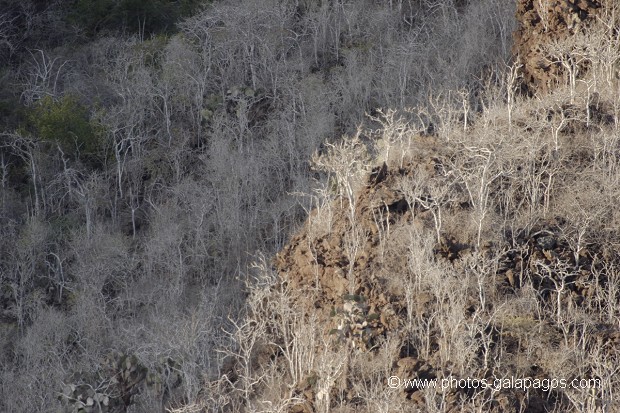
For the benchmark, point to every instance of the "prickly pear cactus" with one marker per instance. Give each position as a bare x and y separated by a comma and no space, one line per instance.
112,388
355,324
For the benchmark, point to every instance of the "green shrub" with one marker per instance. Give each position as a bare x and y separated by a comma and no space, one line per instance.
67,123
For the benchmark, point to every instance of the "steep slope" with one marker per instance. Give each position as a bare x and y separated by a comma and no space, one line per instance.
543,23
484,257
532,290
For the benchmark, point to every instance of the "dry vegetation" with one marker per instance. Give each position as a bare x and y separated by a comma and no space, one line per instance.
486,249
184,229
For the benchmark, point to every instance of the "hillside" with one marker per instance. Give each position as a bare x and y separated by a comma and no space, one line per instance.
309,206
482,256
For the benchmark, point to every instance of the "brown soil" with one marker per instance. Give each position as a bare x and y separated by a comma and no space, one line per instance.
542,21
316,264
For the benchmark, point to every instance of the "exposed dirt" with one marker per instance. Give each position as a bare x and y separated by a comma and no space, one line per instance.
318,258
544,21
316,263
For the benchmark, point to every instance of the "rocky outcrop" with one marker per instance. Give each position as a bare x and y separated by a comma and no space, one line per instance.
353,278
541,22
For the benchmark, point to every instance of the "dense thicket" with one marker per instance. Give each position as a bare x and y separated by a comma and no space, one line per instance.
147,157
